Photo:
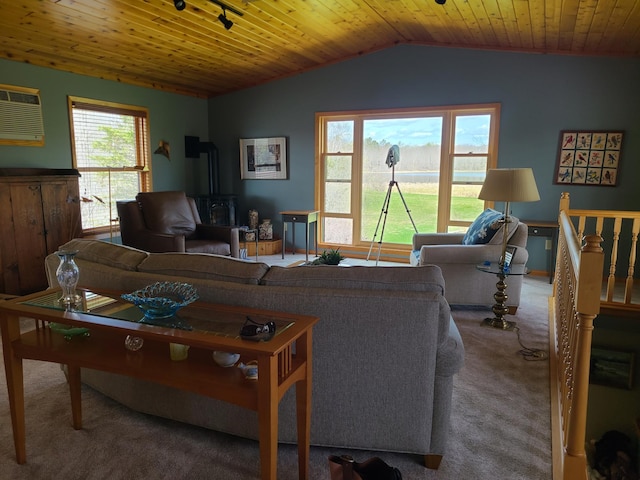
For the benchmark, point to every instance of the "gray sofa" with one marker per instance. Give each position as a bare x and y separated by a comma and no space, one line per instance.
384,351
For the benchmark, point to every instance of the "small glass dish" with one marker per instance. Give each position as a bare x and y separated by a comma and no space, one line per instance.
162,299
133,343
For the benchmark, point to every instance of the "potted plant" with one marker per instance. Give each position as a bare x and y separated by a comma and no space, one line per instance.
330,257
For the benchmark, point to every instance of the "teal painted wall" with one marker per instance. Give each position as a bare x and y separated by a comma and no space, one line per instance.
171,118
540,95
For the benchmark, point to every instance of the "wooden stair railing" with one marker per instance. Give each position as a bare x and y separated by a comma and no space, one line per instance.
573,307
618,222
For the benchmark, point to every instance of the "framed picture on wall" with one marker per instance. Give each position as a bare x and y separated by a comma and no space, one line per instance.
589,157
263,158
612,368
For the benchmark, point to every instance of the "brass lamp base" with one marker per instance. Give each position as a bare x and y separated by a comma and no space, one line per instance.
499,308
499,323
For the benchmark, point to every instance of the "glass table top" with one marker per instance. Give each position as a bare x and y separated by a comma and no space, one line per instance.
192,317
494,267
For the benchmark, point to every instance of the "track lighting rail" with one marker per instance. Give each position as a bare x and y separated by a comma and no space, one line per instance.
227,7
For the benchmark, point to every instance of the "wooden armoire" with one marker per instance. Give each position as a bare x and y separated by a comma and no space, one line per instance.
39,211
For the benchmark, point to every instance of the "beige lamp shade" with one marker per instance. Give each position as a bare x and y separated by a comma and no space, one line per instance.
510,185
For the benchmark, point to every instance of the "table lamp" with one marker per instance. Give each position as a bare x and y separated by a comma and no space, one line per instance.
509,185
506,185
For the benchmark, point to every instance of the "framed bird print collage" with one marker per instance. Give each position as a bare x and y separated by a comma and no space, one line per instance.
589,157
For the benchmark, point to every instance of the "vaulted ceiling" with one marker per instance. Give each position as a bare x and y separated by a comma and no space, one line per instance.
152,44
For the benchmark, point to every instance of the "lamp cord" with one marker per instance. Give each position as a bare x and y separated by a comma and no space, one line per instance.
530,354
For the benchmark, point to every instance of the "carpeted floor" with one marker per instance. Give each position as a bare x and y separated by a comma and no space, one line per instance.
500,424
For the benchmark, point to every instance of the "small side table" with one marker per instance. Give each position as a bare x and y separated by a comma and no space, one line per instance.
300,216
499,308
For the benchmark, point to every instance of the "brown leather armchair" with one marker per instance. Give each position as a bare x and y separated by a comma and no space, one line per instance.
170,222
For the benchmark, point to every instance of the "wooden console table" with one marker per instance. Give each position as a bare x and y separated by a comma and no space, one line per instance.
212,327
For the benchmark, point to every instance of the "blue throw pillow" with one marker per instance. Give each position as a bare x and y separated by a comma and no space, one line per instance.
483,228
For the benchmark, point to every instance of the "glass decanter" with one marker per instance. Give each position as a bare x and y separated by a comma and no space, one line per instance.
68,275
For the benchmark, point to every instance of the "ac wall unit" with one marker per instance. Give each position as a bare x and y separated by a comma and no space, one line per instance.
20,116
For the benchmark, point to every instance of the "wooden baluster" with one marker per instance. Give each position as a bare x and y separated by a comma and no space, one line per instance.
611,280
582,220
565,199
599,225
628,287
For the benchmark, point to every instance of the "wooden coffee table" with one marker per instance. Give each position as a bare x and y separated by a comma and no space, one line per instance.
110,319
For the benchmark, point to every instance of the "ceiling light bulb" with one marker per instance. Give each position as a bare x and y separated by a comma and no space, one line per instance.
179,4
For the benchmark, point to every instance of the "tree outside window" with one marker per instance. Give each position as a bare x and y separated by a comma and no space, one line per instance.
111,152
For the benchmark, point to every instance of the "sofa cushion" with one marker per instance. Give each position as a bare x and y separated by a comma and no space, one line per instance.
485,227
205,266
421,279
106,253
208,246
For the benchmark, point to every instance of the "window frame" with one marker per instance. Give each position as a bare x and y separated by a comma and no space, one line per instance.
142,148
447,155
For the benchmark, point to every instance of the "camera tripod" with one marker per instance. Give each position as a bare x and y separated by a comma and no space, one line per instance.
385,211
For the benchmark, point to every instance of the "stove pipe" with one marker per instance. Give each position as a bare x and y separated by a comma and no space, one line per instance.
193,147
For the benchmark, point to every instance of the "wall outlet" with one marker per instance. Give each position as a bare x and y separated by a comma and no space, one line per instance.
547,245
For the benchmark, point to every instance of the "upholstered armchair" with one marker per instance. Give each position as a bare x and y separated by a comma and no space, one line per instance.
458,255
170,222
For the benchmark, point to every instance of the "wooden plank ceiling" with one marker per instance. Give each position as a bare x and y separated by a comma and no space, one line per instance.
151,43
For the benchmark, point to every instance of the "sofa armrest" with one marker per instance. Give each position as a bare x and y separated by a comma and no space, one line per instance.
226,234
420,239
450,357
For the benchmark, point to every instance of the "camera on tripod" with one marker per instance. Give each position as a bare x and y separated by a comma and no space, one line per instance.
393,157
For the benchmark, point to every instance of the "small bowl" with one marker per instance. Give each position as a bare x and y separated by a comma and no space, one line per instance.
162,299
225,359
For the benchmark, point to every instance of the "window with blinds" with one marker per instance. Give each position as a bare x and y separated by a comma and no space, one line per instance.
111,151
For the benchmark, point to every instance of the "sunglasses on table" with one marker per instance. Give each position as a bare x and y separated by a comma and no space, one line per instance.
252,330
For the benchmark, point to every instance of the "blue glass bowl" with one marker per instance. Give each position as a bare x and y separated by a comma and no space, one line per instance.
162,299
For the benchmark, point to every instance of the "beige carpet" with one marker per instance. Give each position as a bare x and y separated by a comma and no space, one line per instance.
500,425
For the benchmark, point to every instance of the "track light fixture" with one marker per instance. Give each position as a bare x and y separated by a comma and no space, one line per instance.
223,16
224,20
181,4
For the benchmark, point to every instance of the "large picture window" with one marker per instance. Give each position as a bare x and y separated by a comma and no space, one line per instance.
444,155
111,151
